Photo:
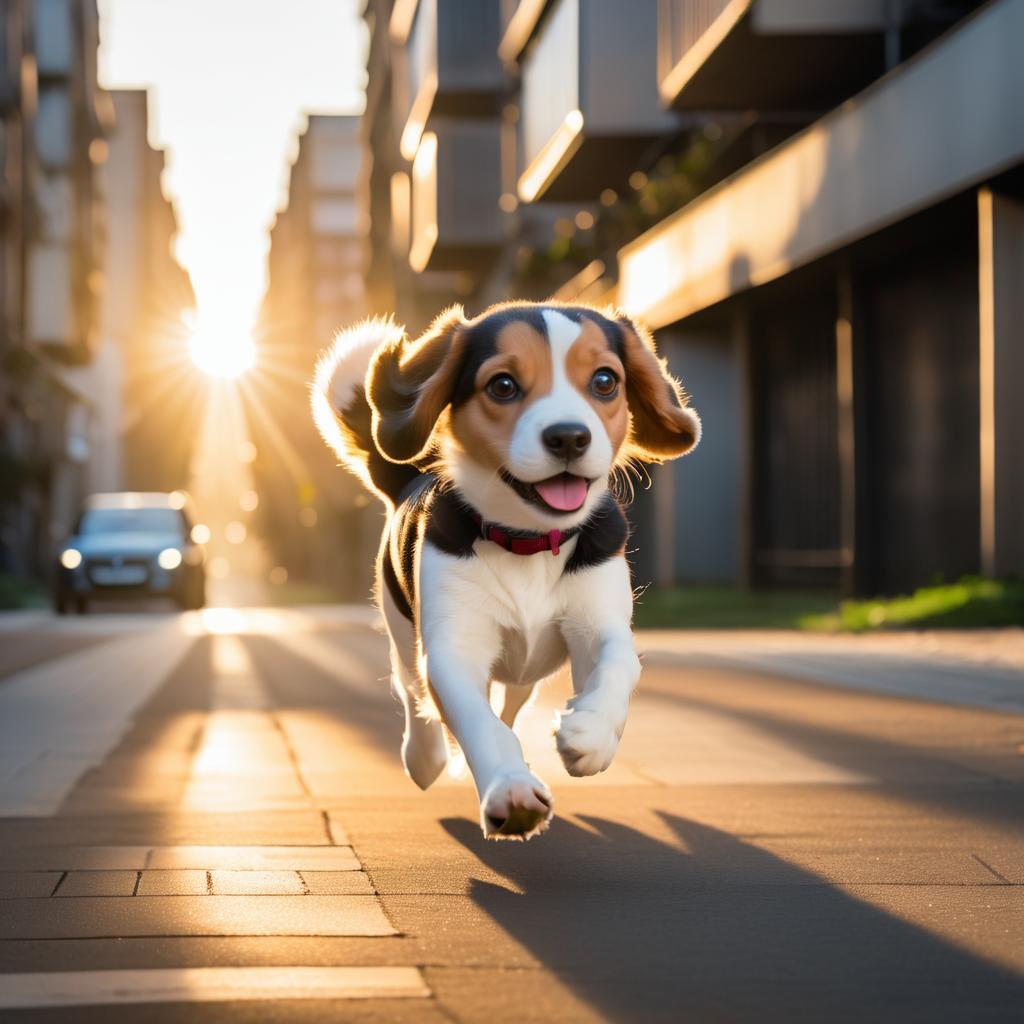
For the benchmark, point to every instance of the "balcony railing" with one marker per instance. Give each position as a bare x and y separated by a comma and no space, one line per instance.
456,183
447,62
681,24
519,19
758,54
582,127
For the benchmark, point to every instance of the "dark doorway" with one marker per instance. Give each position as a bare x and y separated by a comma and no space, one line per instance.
921,418
795,507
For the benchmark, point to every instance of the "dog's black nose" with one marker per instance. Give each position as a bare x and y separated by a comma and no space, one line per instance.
566,440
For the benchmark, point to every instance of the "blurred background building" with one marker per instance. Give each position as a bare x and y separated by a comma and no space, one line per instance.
87,284
150,414
818,208
315,519
51,238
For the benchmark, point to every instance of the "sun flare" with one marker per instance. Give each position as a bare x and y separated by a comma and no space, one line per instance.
221,354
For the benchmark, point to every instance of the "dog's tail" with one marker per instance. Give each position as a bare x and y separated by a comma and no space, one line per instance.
342,412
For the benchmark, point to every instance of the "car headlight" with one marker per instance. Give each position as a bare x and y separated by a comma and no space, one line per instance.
71,558
169,558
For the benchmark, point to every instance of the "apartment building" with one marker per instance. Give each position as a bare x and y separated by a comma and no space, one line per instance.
148,406
316,286
817,207
53,120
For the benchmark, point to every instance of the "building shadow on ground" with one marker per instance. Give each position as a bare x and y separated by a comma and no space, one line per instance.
715,929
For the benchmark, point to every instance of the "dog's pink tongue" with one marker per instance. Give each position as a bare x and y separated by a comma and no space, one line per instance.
564,492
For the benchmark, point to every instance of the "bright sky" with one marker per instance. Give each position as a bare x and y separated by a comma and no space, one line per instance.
230,81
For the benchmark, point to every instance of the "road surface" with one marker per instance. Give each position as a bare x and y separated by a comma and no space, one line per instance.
204,819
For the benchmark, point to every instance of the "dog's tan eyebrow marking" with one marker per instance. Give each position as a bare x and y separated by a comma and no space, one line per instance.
589,353
501,361
524,353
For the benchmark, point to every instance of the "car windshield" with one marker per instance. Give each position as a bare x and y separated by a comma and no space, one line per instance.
132,520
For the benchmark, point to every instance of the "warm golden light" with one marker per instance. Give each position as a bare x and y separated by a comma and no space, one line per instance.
235,532
220,354
71,558
169,558
553,156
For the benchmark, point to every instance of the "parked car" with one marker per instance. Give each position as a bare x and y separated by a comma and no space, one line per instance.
132,545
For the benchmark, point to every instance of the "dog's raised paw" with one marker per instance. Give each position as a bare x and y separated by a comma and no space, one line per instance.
587,741
516,806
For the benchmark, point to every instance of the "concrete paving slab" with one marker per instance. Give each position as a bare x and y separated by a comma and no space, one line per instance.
337,883
986,920
98,883
208,985
278,1011
528,996
337,830
256,883
255,858
109,953
139,826
28,884
74,858
199,915
173,883
61,717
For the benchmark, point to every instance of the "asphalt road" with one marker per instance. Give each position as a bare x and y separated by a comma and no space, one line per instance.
203,817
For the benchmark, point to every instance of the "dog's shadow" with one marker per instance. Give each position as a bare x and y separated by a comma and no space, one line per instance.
708,927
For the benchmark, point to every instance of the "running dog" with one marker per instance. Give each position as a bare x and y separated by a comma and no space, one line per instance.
492,442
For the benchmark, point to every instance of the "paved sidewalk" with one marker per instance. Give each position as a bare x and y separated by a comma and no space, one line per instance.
983,668
203,818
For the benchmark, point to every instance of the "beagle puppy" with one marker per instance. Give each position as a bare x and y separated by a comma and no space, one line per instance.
492,442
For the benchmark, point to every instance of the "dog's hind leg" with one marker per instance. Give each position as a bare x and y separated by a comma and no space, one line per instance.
514,700
424,745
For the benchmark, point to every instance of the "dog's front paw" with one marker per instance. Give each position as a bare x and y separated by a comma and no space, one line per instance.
587,739
516,806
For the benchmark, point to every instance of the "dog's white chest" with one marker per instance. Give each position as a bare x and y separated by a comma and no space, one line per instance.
529,604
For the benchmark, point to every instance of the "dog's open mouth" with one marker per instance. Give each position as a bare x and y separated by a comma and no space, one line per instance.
564,492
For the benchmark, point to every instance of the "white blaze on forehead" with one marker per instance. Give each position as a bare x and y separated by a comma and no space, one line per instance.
562,332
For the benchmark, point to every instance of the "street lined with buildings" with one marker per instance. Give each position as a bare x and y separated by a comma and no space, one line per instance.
205,813
816,206
93,303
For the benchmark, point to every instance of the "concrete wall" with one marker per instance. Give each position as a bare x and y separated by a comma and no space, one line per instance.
706,505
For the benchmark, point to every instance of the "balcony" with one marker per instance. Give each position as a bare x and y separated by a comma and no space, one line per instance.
447,63
811,196
768,54
456,180
519,20
583,126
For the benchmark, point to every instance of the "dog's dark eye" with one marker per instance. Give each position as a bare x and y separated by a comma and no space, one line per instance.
604,384
502,388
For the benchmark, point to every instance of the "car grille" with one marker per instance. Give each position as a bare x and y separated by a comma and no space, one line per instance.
118,572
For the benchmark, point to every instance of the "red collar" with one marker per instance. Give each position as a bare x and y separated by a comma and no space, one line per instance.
523,544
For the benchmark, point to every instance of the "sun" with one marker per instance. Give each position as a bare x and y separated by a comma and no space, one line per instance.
222,354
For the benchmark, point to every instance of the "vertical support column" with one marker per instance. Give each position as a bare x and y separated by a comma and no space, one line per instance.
846,431
740,330
665,525
1001,370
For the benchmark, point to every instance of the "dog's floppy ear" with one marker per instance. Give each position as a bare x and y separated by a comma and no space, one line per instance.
410,385
663,425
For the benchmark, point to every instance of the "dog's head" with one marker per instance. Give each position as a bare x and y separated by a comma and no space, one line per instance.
530,407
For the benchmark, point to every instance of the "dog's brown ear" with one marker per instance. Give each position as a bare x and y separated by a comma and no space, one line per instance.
663,425
410,386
